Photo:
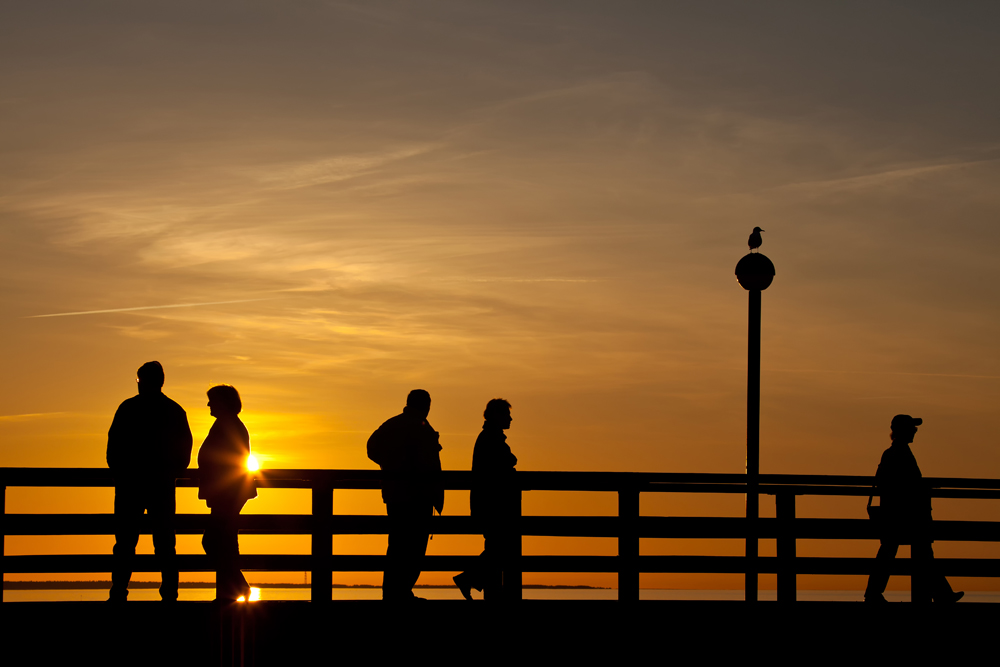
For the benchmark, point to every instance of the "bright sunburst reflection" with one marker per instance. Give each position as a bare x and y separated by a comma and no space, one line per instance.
254,595
252,463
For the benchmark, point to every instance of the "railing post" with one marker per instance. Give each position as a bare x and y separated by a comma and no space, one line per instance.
785,512
628,544
512,576
321,583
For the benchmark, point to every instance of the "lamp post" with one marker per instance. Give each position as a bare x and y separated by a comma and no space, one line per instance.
755,273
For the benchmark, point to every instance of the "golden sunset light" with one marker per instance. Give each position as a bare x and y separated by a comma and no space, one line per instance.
254,595
327,205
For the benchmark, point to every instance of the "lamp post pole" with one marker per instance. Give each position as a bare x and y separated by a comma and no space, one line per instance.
755,273
753,444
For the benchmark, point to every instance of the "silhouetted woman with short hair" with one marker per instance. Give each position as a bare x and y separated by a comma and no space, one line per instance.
225,485
493,498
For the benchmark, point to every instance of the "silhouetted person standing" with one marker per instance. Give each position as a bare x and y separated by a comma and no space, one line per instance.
225,485
493,498
406,448
149,446
905,517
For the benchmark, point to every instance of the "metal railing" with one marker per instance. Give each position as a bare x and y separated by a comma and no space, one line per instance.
628,527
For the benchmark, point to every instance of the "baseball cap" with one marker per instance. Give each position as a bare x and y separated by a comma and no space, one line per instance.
904,421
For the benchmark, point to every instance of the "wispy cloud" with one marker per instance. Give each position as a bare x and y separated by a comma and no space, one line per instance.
329,170
880,178
838,372
523,280
126,310
881,398
31,415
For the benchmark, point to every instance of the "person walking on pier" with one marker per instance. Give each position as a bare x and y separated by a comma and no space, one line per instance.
905,518
493,499
407,450
149,446
225,485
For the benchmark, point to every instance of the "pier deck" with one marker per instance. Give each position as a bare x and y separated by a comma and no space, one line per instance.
292,633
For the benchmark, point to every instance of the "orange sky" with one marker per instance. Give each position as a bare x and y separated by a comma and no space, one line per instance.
540,201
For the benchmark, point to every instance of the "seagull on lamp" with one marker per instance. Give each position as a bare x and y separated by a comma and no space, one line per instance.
754,241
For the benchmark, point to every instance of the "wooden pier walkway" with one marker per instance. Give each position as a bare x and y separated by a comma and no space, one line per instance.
459,632
627,528
293,633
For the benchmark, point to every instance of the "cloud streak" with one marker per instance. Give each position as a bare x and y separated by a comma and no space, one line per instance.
127,310
30,415
839,372
523,280
333,169
880,178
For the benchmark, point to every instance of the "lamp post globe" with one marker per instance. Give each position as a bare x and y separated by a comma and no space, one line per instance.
754,271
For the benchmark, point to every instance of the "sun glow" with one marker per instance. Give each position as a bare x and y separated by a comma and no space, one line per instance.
254,595
252,463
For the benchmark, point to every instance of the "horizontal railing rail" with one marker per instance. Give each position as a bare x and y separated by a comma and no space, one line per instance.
680,527
628,527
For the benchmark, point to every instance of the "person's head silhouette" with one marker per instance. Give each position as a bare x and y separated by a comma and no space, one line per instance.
418,404
224,401
497,413
150,377
904,427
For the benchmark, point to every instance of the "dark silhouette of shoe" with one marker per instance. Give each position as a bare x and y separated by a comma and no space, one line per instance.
875,598
463,586
950,597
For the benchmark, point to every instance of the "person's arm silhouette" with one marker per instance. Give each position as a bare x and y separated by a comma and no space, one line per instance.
181,443
116,444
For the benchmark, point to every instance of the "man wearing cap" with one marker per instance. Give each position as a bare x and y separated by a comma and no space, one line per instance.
905,517
149,446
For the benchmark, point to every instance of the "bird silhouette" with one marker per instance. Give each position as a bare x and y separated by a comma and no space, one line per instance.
754,241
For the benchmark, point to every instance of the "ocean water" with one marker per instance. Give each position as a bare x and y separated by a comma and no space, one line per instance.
269,593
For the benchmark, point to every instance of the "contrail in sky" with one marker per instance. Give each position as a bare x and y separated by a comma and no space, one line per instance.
125,310
839,372
31,415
